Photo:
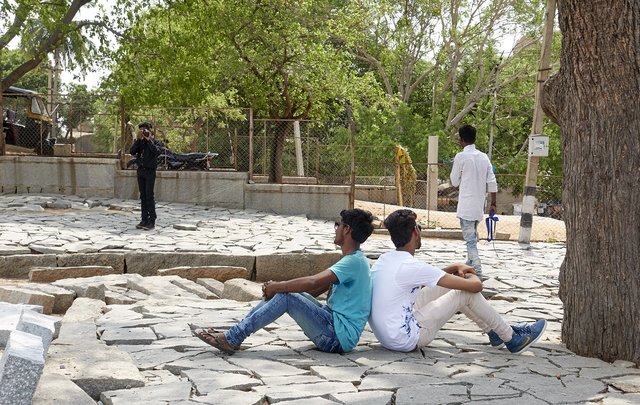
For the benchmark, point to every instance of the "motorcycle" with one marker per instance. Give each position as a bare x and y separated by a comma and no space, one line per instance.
169,160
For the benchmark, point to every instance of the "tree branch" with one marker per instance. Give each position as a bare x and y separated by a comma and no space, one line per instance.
47,46
22,12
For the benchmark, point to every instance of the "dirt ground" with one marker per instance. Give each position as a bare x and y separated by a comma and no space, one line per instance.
544,229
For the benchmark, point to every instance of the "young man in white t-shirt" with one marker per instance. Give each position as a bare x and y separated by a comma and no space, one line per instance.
412,300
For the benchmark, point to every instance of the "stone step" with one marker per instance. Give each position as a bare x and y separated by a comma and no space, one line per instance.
195,288
20,295
239,289
220,273
160,286
44,326
212,285
281,267
79,356
63,298
49,274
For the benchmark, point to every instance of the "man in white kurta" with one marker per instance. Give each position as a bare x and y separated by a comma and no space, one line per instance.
472,172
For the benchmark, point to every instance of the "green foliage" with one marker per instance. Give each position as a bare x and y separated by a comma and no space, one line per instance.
35,80
44,26
76,107
277,59
106,126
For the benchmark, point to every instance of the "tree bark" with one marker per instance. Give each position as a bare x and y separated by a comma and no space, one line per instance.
595,99
281,129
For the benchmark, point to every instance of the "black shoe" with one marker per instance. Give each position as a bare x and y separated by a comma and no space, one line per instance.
140,225
149,226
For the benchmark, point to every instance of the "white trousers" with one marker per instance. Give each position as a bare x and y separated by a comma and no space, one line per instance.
435,306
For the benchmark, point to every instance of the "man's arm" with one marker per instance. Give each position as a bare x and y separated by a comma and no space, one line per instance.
456,172
135,148
470,282
314,285
459,269
492,187
492,205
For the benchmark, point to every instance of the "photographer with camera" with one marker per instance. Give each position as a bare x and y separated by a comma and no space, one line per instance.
146,150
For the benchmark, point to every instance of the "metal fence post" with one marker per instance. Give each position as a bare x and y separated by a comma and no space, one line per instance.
250,144
122,132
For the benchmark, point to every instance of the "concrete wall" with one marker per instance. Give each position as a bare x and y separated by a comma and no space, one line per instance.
314,201
222,189
84,177
375,193
101,177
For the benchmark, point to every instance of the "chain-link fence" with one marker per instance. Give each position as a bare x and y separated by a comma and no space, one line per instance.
193,138
437,204
300,151
79,123
287,151
26,122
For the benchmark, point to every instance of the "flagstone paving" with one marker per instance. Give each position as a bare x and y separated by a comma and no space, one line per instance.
143,352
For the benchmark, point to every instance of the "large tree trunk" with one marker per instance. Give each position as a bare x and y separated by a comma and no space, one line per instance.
595,98
281,130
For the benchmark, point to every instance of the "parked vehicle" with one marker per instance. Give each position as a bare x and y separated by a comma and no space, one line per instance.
26,121
169,160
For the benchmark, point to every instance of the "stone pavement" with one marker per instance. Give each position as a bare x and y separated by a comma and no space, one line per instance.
143,352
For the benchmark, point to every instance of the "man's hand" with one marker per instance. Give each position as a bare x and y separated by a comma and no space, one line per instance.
139,134
271,288
492,207
460,270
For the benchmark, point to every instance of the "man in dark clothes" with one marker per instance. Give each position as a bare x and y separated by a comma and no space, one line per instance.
146,150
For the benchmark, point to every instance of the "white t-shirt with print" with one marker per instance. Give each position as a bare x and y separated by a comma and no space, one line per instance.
397,277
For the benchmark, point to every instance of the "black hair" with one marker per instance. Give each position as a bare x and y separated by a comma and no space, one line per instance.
145,124
400,224
360,222
468,134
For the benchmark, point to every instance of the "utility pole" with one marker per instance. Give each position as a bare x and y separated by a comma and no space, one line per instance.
528,201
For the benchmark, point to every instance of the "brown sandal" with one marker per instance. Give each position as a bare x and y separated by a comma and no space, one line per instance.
216,339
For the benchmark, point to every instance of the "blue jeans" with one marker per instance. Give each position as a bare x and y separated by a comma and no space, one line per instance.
315,319
470,235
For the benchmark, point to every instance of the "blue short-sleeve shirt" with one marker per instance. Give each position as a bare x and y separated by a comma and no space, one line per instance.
350,298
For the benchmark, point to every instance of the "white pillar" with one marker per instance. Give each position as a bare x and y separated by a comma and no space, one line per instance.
432,174
296,136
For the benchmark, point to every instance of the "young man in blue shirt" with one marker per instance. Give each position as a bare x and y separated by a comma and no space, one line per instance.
335,327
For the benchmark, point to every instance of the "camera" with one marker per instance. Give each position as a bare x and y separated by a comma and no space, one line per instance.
146,132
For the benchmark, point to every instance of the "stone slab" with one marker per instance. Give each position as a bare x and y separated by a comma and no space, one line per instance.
8,323
195,288
19,295
93,366
281,267
128,336
113,260
90,289
63,298
159,286
44,326
242,290
20,368
84,309
58,389
17,266
50,274
148,263
211,284
155,394
220,273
